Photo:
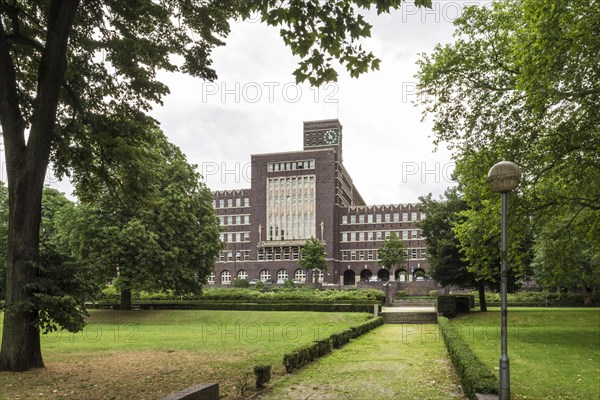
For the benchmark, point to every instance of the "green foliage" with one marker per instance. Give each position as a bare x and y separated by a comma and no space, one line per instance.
392,252
446,306
289,284
447,265
401,293
293,294
544,299
168,244
263,375
260,286
433,293
241,283
521,82
313,255
304,355
474,376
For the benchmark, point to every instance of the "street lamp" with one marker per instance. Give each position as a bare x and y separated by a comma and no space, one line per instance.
503,178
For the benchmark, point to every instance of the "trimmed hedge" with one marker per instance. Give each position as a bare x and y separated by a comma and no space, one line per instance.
450,304
262,374
474,375
304,355
242,306
541,299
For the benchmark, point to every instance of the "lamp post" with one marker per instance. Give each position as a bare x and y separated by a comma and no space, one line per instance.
504,177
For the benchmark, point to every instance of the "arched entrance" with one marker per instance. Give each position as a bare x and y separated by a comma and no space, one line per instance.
365,274
419,275
401,275
349,277
383,274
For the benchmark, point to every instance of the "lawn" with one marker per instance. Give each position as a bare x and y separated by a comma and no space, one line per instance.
554,352
391,362
149,354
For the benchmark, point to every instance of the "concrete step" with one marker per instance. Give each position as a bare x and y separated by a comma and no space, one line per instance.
409,317
413,304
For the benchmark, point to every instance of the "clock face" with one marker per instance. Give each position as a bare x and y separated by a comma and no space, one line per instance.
331,137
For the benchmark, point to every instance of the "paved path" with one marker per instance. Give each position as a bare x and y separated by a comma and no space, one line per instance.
390,362
407,309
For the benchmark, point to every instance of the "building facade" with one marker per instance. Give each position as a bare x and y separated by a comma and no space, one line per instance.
298,195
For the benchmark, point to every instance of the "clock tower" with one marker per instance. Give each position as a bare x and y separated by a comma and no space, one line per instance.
323,133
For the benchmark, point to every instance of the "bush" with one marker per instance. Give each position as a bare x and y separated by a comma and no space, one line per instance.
289,284
241,283
304,355
401,293
433,293
446,305
541,299
260,286
474,376
263,375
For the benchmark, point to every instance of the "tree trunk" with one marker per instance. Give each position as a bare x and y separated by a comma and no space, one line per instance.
21,340
126,299
482,302
587,299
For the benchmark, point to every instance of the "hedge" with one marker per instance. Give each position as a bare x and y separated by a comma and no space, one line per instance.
449,305
195,305
542,299
474,375
304,355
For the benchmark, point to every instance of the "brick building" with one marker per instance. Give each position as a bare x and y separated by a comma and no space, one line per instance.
296,195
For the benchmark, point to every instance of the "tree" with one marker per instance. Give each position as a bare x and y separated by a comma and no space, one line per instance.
566,253
392,252
169,244
520,82
76,78
313,255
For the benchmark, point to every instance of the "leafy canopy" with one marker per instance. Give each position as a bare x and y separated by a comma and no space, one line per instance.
313,255
392,252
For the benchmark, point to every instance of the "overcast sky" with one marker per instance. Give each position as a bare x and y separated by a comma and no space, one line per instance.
255,107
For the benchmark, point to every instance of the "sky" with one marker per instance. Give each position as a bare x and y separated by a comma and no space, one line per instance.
255,107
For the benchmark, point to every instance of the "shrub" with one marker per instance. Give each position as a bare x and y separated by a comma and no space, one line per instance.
446,306
241,283
260,286
433,293
401,293
263,375
289,284
474,376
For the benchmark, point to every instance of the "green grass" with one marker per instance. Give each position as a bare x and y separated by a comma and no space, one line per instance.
554,352
149,354
390,362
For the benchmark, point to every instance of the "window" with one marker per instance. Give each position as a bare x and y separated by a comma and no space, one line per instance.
344,219
423,216
344,256
282,276
300,275
211,278
404,235
238,202
265,275
361,255
414,234
353,219
378,235
246,236
229,220
353,255
320,276
260,255
214,204
246,202
229,202
413,253
404,216
378,218
246,220
242,274
221,203
238,237
361,219
413,216
387,218
225,278
423,254
370,255
370,218
343,237
396,217
370,236
361,236
352,236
